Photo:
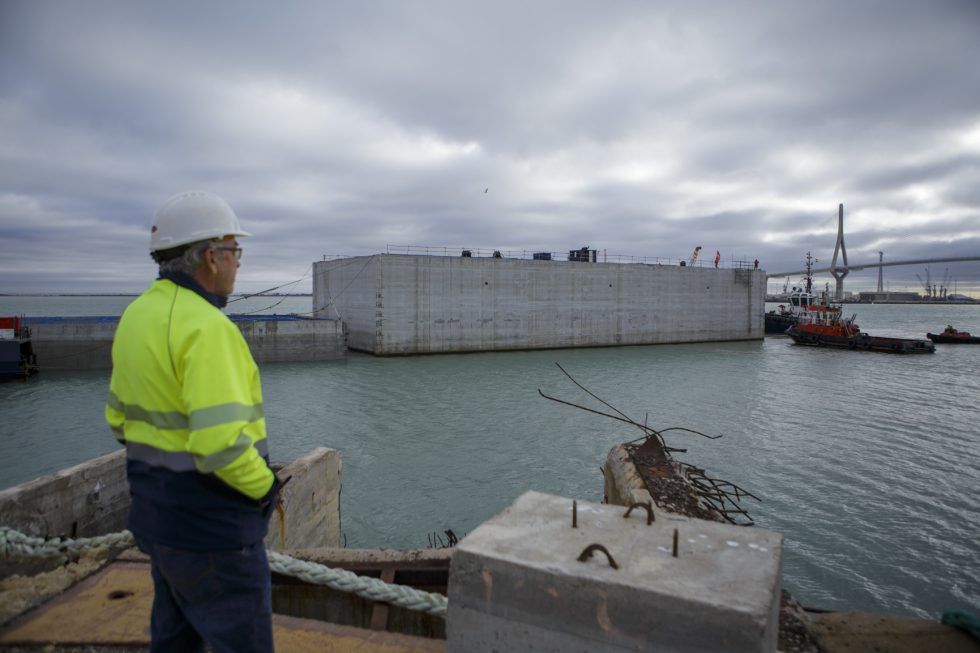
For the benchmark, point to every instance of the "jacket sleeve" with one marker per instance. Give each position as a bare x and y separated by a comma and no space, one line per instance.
115,417
223,400
114,414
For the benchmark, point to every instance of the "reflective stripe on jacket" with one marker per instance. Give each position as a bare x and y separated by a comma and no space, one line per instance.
185,393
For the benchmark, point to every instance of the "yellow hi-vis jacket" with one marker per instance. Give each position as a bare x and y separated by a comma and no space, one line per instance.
185,392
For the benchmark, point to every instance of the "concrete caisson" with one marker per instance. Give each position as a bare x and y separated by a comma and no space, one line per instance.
403,304
85,343
517,583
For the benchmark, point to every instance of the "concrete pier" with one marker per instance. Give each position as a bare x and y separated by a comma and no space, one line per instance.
519,582
403,304
85,343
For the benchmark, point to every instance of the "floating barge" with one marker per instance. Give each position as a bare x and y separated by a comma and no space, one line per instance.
858,341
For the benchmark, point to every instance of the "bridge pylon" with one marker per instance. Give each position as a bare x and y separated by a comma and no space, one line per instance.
881,276
836,272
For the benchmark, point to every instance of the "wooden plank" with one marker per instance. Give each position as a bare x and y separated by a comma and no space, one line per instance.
112,608
379,617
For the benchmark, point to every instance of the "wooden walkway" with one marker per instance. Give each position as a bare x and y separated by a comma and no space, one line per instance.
111,608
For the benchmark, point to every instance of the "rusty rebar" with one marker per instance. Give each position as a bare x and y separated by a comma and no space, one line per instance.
591,410
714,494
593,395
641,504
684,428
592,548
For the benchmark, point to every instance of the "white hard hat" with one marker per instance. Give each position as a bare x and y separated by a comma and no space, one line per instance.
192,216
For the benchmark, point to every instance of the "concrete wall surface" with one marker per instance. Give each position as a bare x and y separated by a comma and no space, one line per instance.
85,343
73,343
348,289
82,501
622,483
308,515
403,304
287,341
517,583
93,499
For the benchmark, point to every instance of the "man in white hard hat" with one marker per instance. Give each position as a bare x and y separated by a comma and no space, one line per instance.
186,401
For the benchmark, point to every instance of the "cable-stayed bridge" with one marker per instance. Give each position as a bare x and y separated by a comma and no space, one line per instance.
841,269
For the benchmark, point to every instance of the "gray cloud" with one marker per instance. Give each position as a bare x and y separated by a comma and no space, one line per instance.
641,130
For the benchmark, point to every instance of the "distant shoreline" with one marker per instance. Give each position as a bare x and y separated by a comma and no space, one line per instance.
935,302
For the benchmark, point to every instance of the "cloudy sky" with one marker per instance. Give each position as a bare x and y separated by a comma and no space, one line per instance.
638,128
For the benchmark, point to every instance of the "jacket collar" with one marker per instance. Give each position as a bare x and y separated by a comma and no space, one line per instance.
187,281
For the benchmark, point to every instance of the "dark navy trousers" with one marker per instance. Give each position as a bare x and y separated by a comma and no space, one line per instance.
223,598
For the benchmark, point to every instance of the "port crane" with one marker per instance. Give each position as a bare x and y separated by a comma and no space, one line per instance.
934,290
925,284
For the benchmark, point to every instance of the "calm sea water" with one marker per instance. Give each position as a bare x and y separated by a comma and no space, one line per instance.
868,463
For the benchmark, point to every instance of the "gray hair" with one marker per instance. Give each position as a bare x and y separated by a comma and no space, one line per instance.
189,260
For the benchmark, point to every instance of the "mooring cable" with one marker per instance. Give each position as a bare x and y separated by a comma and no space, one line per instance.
13,543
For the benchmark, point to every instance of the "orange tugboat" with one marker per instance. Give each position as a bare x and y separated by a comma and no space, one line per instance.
801,300
824,327
951,336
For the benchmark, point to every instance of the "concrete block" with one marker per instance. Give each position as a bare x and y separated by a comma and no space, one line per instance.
622,484
88,499
308,515
516,583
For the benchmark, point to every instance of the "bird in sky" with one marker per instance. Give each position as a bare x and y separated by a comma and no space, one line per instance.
486,190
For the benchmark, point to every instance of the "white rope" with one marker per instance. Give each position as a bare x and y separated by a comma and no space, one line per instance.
15,543
369,588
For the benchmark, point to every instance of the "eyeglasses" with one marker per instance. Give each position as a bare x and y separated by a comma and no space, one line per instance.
237,251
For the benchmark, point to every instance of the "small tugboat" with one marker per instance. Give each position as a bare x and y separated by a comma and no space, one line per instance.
827,329
17,359
951,336
800,300
778,320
